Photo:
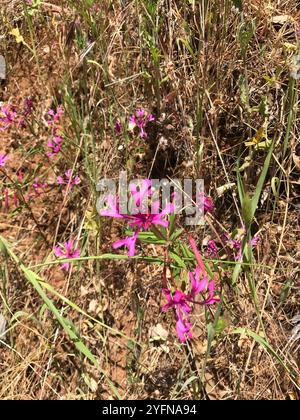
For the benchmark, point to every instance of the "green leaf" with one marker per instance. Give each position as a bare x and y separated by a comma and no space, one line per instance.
178,260
246,32
221,325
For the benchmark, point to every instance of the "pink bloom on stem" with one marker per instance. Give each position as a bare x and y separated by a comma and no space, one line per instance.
68,179
3,159
8,116
183,325
235,241
129,242
140,113
140,120
142,219
20,176
182,302
39,187
66,251
27,107
150,118
204,202
212,249
201,286
54,144
254,241
208,205
55,116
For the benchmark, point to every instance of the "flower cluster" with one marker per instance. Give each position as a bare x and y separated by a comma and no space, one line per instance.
143,219
9,116
139,120
182,301
212,249
39,187
55,141
235,242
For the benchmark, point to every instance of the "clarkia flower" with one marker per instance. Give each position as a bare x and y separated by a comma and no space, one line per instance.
7,116
68,179
212,249
27,107
55,144
142,218
208,205
182,302
67,251
3,159
205,203
39,187
140,119
55,116
235,242
129,242
183,310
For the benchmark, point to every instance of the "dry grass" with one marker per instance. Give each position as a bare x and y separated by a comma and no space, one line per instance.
185,63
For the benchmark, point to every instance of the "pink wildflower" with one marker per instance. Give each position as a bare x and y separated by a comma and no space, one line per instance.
3,159
27,107
208,205
204,203
66,251
7,116
129,242
39,187
68,179
212,249
179,301
55,144
140,120
142,218
182,302
55,116
235,242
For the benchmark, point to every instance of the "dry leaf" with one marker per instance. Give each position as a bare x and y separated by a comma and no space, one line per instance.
16,33
281,19
158,333
224,188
